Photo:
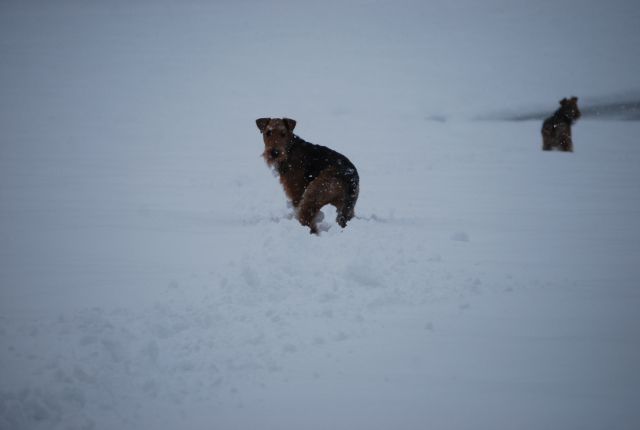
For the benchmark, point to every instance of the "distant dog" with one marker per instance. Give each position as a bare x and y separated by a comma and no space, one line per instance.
556,130
312,175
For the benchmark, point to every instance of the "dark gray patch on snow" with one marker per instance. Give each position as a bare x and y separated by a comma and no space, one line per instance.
460,236
436,118
625,107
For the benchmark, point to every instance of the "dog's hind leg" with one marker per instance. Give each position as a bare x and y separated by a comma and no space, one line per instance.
565,142
307,212
346,205
547,139
323,190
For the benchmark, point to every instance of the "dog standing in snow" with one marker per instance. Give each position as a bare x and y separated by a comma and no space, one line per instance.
312,175
556,130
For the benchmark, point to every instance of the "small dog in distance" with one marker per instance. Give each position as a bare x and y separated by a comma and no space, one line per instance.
556,130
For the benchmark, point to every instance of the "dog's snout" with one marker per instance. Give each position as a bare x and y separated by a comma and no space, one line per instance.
274,153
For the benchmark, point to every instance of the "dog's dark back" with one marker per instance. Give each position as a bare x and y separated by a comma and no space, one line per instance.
313,159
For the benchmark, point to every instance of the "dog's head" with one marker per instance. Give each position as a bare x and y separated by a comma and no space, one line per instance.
276,133
570,109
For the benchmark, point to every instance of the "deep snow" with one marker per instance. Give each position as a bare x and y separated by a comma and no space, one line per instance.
150,273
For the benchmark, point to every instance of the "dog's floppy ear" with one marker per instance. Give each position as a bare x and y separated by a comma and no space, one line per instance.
563,101
262,123
290,123
574,99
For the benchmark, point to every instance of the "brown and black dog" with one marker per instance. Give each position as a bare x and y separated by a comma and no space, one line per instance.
312,175
556,130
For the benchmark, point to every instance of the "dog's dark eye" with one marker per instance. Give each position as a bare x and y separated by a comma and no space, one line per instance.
275,153
269,133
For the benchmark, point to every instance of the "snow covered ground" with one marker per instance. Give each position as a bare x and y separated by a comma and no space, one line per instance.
150,273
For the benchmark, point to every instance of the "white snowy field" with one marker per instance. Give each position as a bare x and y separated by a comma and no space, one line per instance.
151,276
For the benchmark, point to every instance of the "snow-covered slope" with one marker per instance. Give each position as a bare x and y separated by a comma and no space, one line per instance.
151,275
